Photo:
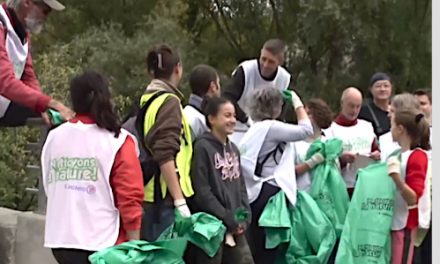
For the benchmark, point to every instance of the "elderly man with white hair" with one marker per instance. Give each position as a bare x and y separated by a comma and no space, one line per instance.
20,93
357,135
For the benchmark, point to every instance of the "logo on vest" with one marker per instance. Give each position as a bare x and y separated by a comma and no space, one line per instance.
89,189
356,144
73,169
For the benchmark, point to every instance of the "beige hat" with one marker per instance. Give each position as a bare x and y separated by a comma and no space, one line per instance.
54,4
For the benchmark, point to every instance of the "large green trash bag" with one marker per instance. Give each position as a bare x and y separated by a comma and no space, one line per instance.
328,188
166,251
302,233
366,234
203,230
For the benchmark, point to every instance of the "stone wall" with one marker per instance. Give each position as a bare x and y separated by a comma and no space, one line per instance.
21,238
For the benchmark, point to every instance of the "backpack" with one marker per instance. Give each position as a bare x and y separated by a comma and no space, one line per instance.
135,125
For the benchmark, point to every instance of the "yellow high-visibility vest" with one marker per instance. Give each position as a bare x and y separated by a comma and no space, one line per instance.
184,156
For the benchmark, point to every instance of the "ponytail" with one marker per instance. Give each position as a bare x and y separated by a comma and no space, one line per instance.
90,94
425,135
161,61
416,126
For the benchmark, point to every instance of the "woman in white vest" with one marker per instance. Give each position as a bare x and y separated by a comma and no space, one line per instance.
268,159
399,102
321,117
408,170
252,75
91,176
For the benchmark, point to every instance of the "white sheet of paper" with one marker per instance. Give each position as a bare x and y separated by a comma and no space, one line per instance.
361,161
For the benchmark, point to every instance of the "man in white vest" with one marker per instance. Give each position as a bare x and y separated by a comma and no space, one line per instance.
250,75
357,135
20,93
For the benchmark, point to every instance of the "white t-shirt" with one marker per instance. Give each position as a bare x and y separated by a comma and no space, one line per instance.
356,139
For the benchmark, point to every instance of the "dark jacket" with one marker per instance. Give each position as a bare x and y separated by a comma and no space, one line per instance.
218,184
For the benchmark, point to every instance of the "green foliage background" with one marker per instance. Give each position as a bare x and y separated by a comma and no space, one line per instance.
331,44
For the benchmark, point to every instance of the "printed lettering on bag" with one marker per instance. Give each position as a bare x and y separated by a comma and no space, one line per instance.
384,206
324,197
73,169
368,250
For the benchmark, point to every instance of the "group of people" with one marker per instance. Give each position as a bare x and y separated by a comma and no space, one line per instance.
228,149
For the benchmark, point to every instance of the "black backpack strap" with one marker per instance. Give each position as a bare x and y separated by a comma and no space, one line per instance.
151,167
375,120
273,153
140,118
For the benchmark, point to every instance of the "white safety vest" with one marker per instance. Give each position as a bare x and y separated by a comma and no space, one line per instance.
17,53
252,82
284,172
387,146
76,163
356,139
196,120
401,210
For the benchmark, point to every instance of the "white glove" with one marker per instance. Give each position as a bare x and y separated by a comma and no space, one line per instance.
229,240
182,208
393,165
315,160
296,101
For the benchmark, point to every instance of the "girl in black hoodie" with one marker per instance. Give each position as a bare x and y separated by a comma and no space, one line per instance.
218,184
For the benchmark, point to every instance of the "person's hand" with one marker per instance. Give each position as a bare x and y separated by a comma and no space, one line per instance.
375,155
393,167
65,112
182,208
316,159
46,118
293,98
348,157
239,230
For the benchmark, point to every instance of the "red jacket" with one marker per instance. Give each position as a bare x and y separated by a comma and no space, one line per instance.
127,184
416,169
26,91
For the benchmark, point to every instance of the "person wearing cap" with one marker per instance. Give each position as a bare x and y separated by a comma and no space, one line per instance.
376,109
20,93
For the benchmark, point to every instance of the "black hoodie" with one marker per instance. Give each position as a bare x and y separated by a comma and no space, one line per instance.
219,187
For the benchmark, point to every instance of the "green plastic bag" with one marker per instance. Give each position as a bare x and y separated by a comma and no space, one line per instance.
328,188
55,117
166,251
366,237
203,230
302,234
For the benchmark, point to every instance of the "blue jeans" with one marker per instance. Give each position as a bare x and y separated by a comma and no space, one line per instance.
152,229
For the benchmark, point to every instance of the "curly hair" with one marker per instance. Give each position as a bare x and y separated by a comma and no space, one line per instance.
321,112
265,103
